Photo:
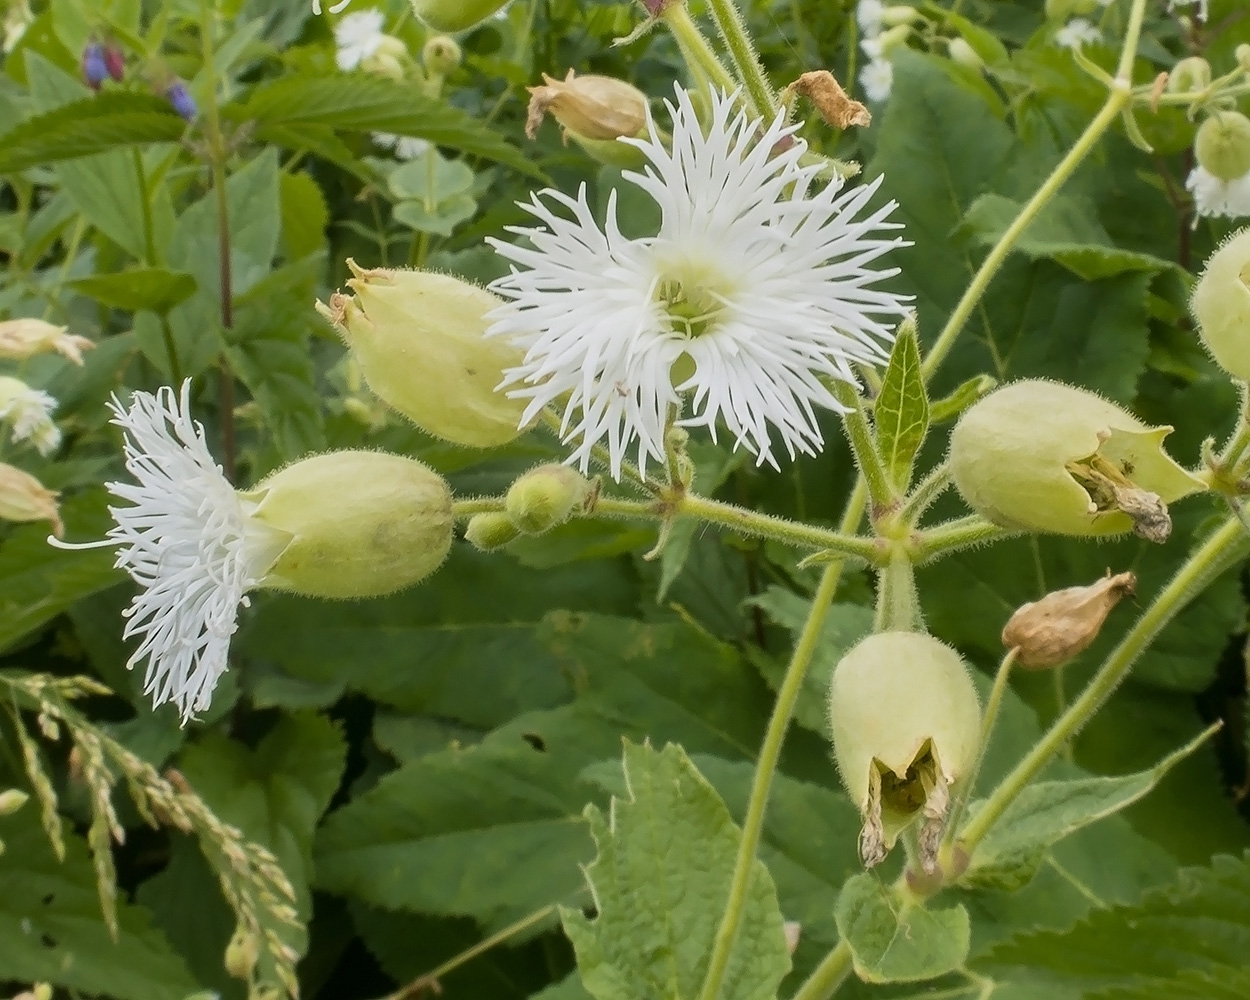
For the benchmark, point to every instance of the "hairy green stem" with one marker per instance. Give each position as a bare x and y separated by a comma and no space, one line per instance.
750,522
598,452
988,719
898,604
923,494
863,444
695,48
1222,549
830,974
952,536
770,754
734,33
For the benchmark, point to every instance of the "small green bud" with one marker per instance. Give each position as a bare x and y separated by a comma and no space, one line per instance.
12,800
454,15
487,532
964,54
441,55
360,523
242,953
419,339
1221,304
905,721
1222,145
588,107
545,497
1042,456
1190,74
389,59
897,14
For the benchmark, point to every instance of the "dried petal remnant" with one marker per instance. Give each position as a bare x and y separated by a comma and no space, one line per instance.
1062,624
827,96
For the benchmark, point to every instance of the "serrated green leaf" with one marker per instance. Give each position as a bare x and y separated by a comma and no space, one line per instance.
901,410
155,288
52,930
1219,982
1047,811
894,941
1198,922
91,125
361,103
660,880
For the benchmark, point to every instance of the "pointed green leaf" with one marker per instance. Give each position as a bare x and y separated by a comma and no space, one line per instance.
1048,811
90,125
901,412
967,393
893,940
154,288
660,882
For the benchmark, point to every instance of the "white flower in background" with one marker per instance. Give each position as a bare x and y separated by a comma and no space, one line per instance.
1076,33
334,7
28,412
869,14
877,78
1202,5
755,289
405,147
1216,197
187,539
873,47
358,36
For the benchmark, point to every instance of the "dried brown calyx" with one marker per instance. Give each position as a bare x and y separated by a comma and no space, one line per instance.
1064,623
827,97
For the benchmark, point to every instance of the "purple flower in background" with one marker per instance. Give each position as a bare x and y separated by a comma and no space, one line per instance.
181,100
94,68
115,61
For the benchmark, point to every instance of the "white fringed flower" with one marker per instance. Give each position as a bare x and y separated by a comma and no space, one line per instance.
189,542
870,14
1076,33
1216,197
28,412
754,291
405,147
357,37
877,77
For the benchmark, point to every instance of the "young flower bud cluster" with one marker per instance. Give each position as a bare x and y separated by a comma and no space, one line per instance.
537,501
419,340
454,15
1221,304
1042,456
905,721
101,62
1064,623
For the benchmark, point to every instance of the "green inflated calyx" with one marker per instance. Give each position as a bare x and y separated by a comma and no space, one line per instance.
359,523
905,721
1221,304
419,339
1042,456
1222,145
454,15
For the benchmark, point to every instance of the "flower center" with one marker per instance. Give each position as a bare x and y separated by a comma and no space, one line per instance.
693,298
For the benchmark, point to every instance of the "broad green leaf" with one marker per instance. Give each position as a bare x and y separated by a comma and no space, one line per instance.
91,125
660,880
1224,981
845,625
895,941
52,931
1198,922
441,220
304,216
362,103
430,178
1048,811
38,582
154,288
901,410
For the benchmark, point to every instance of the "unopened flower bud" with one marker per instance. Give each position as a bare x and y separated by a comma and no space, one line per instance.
24,338
11,800
94,69
1222,145
1042,456
388,60
1190,74
545,497
905,721
454,15
178,95
360,523
1065,622
242,953
964,54
883,44
441,55
418,337
1221,304
487,532
42,991
115,60
1242,55
897,14
23,498
589,107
